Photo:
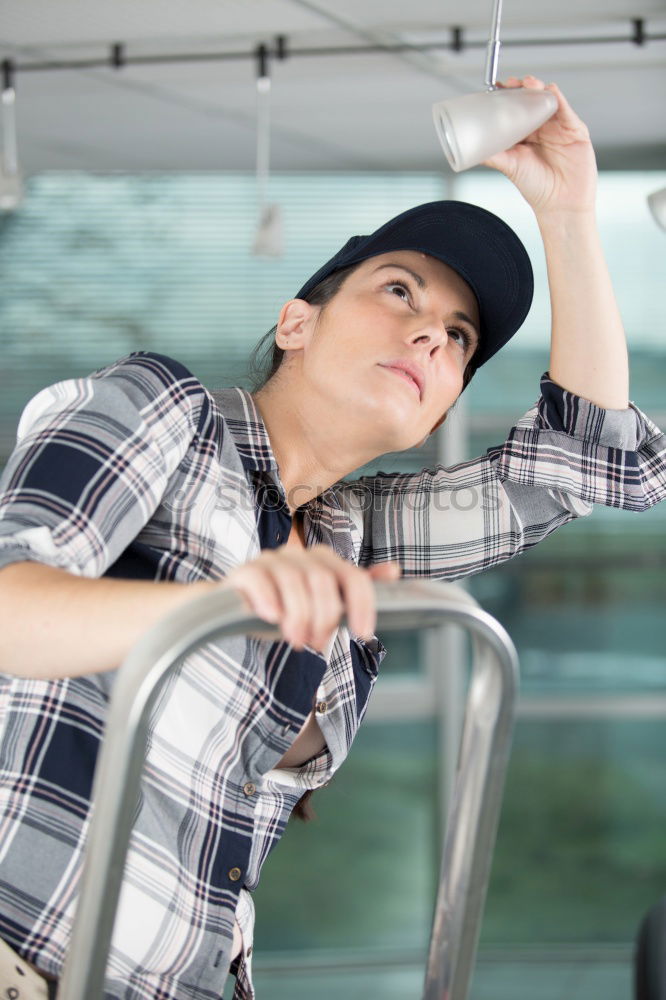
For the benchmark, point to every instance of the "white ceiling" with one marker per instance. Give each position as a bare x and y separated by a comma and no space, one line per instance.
344,111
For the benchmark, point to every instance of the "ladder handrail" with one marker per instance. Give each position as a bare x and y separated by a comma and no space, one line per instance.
476,797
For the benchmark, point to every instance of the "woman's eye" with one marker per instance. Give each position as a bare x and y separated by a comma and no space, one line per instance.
459,336
397,288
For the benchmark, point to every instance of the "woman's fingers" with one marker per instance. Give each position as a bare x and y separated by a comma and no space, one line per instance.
353,585
565,113
257,588
327,606
275,591
359,600
296,602
385,571
307,592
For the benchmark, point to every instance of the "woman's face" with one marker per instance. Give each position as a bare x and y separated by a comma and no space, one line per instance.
390,349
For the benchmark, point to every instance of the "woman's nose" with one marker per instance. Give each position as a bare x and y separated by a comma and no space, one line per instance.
432,334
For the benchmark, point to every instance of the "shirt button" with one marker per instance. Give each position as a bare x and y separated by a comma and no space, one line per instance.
249,788
278,536
235,874
321,707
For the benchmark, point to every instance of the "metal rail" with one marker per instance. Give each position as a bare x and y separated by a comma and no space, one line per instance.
476,799
457,41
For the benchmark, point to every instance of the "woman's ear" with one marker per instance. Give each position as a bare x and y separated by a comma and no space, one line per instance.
293,326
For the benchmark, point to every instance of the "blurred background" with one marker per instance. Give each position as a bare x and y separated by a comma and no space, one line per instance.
137,228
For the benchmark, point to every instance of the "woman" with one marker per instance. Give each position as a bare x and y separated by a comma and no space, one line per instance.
136,489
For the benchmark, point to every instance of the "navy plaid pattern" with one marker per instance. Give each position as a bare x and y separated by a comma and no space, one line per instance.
139,471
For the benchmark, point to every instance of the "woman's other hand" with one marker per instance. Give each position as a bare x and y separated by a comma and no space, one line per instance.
554,168
306,592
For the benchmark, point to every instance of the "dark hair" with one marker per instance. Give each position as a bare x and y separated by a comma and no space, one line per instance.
267,357
265,361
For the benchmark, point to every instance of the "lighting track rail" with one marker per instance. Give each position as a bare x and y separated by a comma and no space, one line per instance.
118,58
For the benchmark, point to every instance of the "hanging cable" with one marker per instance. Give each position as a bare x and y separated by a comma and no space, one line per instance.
263,123
268,238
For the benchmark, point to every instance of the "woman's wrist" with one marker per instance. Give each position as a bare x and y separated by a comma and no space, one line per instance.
566,222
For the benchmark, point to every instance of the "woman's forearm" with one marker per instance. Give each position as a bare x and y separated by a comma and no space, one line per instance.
555,170
588,346
54,624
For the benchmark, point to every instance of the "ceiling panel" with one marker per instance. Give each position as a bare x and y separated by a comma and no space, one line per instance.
392,13
71,23
341,111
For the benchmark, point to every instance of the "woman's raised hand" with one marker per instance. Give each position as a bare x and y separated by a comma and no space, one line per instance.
306,592
554,168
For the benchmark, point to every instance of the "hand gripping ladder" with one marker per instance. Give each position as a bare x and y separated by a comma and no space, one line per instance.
475,802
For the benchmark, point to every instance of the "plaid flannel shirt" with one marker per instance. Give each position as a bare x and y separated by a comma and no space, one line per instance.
139,471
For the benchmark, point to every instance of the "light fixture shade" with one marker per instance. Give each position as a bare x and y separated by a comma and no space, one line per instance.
657,203
269,239
11,189
11,183
474,127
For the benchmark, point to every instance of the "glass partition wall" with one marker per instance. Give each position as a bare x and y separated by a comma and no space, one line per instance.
93,267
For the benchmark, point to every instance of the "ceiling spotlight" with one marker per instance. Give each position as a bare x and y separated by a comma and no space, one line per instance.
475,126
269,238
657,203
11,184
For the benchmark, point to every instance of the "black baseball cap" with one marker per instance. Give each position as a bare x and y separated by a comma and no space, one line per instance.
478,245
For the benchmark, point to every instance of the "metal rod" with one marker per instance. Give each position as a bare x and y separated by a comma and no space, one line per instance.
473,818
492,57
469,840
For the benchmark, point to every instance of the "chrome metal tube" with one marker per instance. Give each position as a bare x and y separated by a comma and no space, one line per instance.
477,794
475,810
494,45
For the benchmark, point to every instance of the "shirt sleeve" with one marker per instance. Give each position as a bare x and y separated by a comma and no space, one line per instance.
92,460
563,456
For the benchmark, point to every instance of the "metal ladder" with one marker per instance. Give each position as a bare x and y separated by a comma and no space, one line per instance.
475,801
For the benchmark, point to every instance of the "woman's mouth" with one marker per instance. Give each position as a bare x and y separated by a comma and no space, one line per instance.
406,377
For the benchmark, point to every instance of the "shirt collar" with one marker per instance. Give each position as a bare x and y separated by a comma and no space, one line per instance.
247,428
246,425
325,513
